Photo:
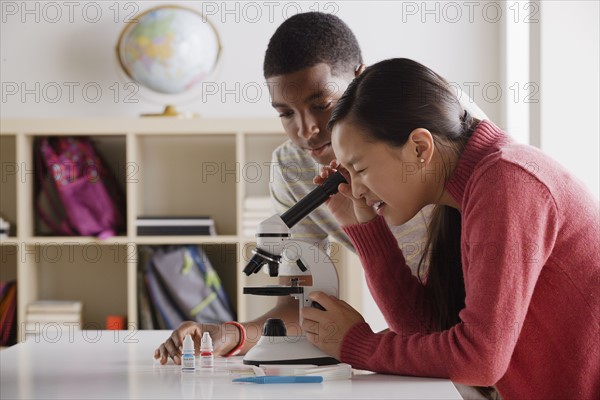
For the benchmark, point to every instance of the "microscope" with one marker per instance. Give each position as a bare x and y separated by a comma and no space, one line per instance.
276,246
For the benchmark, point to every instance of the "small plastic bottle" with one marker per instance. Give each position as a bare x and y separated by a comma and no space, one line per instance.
207,358
188,360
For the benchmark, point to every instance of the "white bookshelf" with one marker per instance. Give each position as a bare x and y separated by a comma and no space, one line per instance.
165,166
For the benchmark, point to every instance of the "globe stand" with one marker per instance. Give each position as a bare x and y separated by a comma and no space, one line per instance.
171,111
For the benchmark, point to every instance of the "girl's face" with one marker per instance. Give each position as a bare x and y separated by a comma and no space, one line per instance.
391,179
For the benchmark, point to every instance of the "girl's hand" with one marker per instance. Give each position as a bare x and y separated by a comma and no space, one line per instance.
327,329
346,209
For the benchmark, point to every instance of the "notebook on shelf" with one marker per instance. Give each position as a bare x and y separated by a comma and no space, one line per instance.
174,226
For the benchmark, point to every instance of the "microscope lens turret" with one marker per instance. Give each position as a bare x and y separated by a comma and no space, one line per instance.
254,265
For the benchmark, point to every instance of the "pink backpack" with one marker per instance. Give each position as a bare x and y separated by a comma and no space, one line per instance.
70,170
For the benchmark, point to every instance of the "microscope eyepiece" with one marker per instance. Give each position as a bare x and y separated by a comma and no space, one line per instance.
313,200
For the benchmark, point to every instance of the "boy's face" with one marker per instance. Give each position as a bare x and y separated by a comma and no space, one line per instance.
304,101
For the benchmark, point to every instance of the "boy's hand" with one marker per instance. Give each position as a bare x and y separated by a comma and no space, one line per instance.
224,337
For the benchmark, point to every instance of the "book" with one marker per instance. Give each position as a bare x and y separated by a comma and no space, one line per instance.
54,306
53,317
160,225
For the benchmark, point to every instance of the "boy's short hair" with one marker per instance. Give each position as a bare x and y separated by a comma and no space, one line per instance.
308,39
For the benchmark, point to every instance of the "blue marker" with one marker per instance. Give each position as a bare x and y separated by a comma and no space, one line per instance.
281,379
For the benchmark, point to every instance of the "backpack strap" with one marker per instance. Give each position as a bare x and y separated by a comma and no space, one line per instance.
63,228
105,173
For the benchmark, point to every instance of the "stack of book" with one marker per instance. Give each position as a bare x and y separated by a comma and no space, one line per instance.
256,210
175,226
53,315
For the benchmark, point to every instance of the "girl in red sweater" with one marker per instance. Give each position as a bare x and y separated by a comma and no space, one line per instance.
511,296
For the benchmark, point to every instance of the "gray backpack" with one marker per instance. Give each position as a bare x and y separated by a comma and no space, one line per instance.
183,286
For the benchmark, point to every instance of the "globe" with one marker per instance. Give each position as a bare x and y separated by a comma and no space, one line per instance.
169,49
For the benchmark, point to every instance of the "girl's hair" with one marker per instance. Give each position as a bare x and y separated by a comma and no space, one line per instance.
388,101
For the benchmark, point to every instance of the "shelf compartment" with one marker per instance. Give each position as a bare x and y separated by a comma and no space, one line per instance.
111,149
183,176
256,170
223,258
91,273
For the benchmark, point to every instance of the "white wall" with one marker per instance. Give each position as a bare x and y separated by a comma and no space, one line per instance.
61,54
569,68
465,41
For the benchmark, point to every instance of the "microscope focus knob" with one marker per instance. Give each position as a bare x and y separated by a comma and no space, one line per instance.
274,327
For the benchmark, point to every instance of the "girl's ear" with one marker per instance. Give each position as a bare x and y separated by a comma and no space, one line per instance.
421,144
359,70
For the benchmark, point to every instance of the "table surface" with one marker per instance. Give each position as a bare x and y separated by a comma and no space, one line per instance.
119,365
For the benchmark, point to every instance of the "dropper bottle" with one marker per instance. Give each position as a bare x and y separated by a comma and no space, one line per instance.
207,358
188,360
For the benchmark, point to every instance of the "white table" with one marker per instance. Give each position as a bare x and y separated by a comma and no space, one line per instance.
119,365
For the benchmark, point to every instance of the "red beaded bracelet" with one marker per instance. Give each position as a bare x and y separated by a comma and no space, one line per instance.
236,350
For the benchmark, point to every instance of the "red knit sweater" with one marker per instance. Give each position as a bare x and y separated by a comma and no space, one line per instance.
531,263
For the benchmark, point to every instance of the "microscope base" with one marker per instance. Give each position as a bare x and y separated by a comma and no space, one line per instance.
287,350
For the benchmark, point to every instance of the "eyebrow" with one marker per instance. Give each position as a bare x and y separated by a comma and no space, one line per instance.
314,96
